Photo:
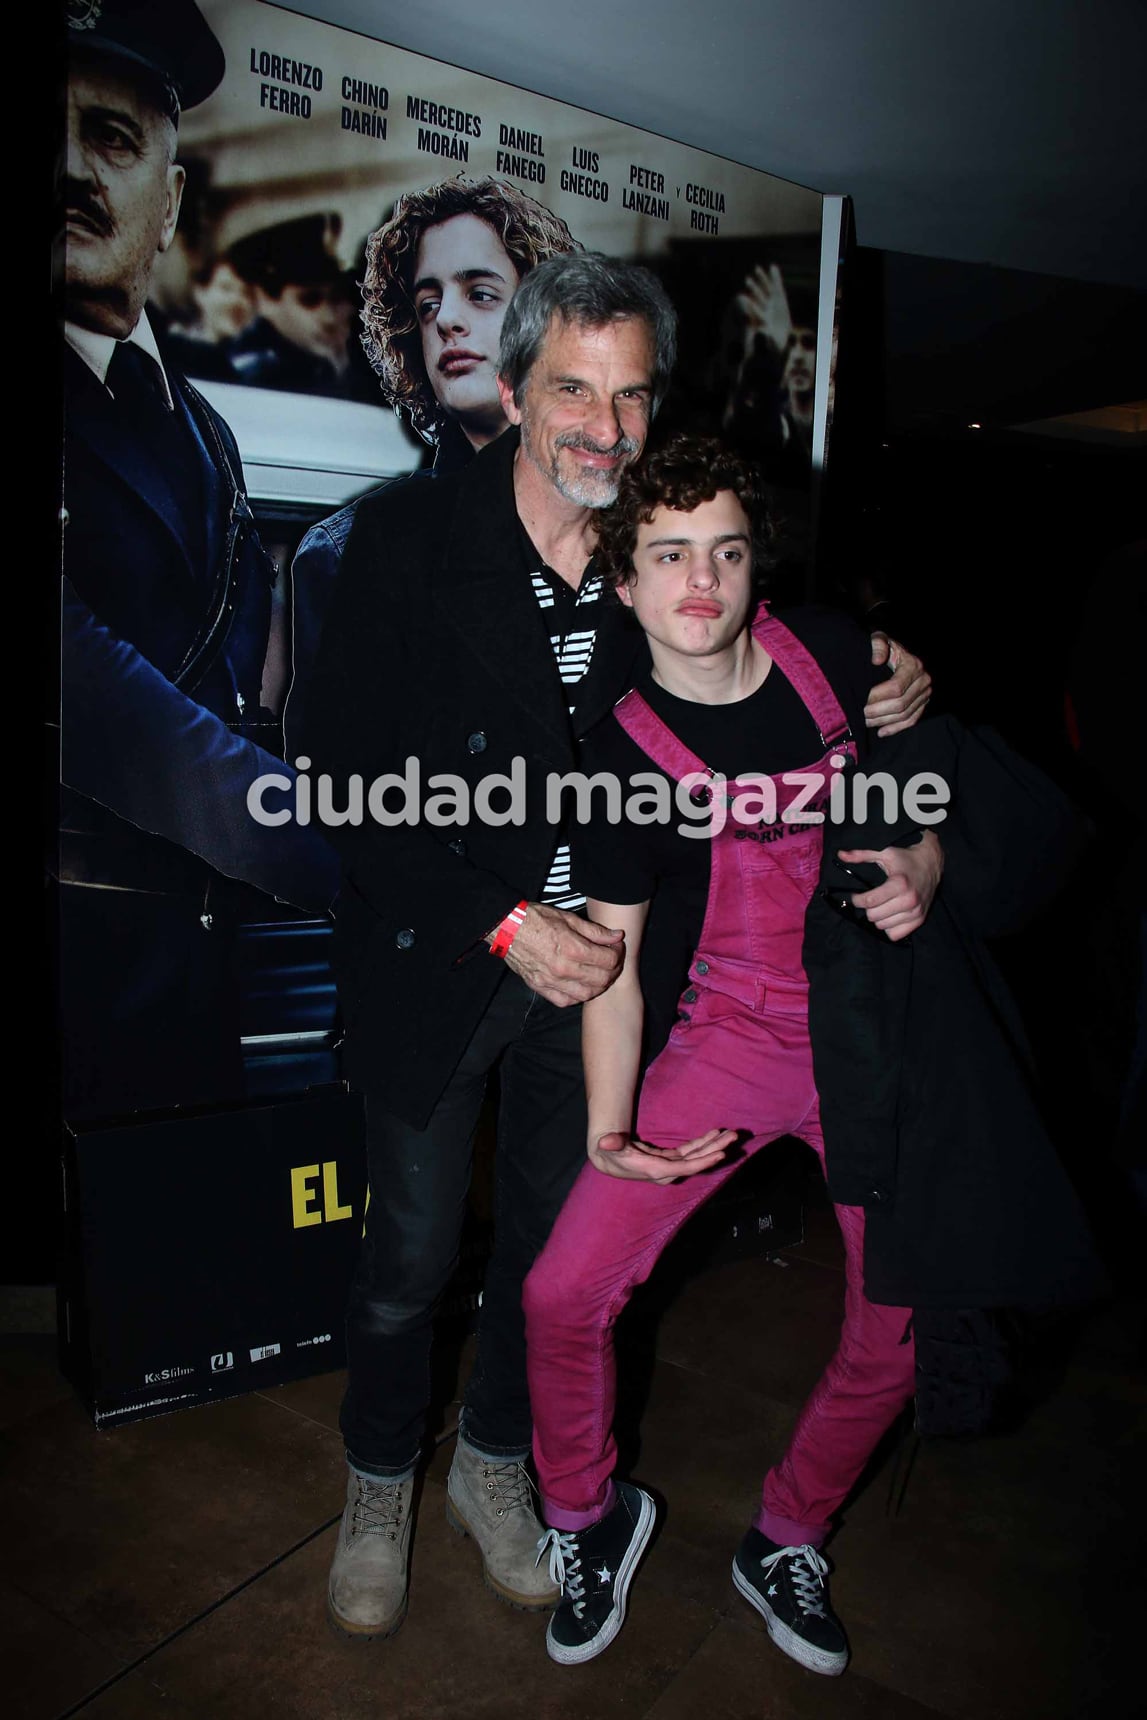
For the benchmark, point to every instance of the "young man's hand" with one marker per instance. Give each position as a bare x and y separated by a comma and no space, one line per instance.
621,1155
899,702
900,906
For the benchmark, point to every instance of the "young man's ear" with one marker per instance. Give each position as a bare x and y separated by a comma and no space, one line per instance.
625,591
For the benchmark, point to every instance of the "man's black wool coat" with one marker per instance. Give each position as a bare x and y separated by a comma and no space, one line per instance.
435,648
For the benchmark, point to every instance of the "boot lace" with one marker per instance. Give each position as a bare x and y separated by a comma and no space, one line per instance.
565,1566
807,1571
378,1508
510,1486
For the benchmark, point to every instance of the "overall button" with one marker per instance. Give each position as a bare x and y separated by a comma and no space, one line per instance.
689,996
405,938
476,742
457,846
877,1194
702,968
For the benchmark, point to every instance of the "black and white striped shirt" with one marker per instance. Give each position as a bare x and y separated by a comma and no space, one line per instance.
572,618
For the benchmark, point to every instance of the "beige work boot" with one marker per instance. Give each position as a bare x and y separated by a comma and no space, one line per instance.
366,1591
491,1499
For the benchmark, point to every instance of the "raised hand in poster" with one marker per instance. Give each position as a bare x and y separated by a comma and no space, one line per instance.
764,305
166,613
770,403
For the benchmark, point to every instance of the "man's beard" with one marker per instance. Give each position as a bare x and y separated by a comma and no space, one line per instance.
587,486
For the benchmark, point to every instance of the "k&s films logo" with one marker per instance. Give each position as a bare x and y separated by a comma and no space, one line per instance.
160,1376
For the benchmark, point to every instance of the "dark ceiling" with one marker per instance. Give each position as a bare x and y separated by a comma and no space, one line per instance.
1008,132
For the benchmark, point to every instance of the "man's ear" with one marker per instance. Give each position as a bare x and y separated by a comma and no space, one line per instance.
176,178
625,591
509,405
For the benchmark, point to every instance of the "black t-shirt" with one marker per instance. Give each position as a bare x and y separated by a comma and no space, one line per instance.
766,734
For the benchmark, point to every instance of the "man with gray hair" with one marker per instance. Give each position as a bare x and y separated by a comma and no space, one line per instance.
468,636
459,948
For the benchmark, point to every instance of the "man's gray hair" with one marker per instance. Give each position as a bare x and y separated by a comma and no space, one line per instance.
589,290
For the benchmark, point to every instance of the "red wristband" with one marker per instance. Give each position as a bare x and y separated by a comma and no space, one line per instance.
505,934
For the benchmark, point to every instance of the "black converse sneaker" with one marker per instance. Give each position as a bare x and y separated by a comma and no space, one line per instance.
595,1567
789,1588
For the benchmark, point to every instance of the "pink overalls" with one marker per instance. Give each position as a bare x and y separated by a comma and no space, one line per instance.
739,1058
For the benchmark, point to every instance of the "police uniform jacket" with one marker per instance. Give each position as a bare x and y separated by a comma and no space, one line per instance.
166,607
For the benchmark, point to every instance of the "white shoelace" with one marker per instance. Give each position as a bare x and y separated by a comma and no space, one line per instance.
565,1566
808,1570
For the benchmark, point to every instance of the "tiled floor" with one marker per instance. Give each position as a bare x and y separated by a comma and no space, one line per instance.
176,1567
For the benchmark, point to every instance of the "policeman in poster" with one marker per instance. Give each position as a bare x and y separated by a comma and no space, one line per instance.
165,613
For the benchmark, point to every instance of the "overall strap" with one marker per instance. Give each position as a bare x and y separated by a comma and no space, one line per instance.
655,738
806,675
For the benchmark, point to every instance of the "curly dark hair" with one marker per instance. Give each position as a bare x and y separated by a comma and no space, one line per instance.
680,474
391,339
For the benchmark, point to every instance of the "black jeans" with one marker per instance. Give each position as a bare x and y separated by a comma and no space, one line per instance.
418,1184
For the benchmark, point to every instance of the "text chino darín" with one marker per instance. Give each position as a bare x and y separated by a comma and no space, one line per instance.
459,953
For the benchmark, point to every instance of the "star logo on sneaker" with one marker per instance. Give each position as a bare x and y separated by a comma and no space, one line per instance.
788,1586
595,1567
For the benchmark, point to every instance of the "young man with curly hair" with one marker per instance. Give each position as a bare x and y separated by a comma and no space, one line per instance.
703,1039
440,275
751,1004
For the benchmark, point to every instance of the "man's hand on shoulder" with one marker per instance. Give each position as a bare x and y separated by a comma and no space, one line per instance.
900,701
901,905
565,958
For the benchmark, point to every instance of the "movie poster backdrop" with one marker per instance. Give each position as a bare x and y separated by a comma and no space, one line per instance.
297,158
